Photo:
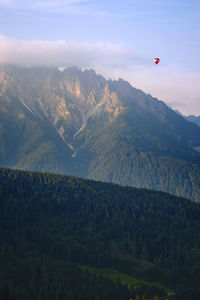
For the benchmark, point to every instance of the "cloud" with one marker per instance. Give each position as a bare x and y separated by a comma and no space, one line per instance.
54,53
41,3
172,84
4,2
77,7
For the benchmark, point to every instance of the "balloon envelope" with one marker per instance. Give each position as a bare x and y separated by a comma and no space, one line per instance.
156,60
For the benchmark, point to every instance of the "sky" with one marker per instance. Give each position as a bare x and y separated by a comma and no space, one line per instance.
117,38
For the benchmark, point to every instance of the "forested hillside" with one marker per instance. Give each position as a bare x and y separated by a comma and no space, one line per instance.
62,237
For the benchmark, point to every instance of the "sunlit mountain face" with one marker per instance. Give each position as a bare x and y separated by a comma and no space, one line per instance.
77,122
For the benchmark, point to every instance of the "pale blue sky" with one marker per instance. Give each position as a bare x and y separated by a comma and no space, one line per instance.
117,38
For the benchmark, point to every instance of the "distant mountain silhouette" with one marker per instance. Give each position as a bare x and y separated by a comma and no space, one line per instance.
193,119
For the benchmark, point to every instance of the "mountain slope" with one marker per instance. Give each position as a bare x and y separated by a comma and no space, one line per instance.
193,119
96,128
27,138
49,223
123,161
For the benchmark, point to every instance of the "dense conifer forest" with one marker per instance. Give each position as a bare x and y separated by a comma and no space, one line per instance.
63,237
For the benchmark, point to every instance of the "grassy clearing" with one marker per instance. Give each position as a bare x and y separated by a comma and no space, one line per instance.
125,279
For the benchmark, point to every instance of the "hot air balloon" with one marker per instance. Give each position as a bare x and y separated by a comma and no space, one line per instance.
156,60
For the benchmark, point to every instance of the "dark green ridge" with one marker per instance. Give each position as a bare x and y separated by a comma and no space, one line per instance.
63,237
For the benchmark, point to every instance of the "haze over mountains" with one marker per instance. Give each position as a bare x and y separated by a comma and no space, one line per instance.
194,119
77,122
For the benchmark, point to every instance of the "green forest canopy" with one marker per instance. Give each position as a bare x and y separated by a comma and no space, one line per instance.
64,237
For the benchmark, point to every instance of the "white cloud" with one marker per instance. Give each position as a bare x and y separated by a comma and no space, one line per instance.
51,53
77,7
41,3
172,84
4,2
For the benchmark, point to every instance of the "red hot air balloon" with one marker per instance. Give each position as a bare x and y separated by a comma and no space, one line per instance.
156,60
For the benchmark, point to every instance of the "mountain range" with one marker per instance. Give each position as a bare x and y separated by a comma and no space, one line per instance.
193,119
77,122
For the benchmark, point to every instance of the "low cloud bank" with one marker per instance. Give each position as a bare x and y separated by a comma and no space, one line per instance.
65,53
172,84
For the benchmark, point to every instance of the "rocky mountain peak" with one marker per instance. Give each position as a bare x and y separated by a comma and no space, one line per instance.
102,129
110,102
